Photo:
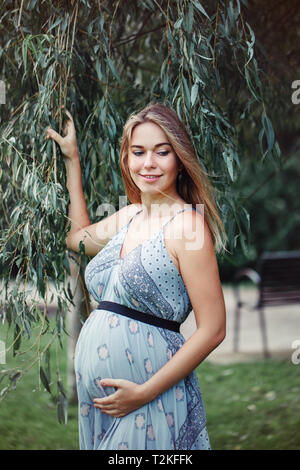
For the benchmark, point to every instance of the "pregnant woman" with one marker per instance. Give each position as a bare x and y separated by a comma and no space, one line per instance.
153,262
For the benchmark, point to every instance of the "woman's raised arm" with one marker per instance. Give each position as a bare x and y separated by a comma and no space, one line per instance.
95,236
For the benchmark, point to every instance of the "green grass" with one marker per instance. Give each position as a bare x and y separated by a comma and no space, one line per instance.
28,414
249,406
252,405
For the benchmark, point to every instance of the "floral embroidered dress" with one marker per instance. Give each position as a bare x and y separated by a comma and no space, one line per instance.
114,346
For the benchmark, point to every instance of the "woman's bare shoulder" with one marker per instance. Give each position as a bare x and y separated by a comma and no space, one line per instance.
123,215
111,224
97,235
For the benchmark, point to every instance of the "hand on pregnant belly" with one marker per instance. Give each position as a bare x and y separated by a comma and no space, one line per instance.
126,399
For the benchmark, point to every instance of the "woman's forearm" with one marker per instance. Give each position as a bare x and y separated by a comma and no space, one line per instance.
77,212
186,359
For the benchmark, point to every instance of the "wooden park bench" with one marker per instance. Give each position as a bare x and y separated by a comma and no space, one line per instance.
278,282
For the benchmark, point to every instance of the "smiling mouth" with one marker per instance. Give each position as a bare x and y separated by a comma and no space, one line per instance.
150,176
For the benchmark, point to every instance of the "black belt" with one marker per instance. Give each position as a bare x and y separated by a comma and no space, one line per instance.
139,316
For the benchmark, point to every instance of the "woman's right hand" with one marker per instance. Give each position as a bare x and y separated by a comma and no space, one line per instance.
67,143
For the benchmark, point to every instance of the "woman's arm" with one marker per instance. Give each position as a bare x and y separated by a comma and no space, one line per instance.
93,236
77,211
199,271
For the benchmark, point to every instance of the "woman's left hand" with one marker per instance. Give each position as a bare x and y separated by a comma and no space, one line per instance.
126,399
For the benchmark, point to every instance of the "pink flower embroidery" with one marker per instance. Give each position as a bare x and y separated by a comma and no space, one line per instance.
113,321
160,405
179,393
150,339
85,409
123,446
103,352
150,433
133,326
140,421
170,419
148,366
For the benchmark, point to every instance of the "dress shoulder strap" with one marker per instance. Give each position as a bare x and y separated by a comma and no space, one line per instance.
181,210
174,215
134,215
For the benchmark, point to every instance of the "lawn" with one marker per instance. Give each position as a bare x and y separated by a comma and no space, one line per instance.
28,414
249,406
252,405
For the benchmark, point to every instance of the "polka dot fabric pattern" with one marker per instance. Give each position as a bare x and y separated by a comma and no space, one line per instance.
114,346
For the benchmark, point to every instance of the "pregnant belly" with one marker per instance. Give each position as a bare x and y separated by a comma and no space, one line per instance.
114,346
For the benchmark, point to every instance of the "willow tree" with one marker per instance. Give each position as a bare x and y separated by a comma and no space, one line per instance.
103,60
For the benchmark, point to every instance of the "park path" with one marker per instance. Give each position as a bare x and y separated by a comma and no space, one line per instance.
282,324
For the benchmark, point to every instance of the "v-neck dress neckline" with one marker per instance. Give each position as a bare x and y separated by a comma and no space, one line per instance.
126,228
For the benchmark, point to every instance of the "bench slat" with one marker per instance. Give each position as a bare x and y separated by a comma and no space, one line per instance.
280,278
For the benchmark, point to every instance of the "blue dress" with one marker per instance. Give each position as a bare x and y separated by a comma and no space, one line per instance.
114,346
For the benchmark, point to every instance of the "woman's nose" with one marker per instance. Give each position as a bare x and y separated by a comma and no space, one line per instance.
150,160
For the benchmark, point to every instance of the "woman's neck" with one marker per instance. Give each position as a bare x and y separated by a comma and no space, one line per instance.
161,205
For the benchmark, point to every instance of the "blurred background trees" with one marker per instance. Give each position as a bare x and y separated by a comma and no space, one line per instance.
269,191
226,67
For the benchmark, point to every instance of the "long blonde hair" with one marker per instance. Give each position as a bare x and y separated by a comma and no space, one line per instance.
194,186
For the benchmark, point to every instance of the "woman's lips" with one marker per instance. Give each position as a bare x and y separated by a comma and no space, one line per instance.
150,180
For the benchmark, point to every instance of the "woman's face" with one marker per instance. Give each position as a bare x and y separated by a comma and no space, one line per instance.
152,162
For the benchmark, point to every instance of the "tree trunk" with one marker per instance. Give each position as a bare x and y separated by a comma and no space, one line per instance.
75,316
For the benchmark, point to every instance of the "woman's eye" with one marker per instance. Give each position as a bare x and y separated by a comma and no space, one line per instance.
162,153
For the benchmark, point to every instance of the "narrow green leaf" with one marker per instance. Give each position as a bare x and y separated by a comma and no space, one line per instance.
113,128
103,116
45,380
178,23
62,408
14,379
189,18
115,180
228,158
87,171
277,150
24,54
198,5
269,131
178,107
150,4
260,140
187,95
17,339
55,24
165,84
194,93
32,4
49,149
112,68
163,68
249,83
98,70
33,49
66,263
62,404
